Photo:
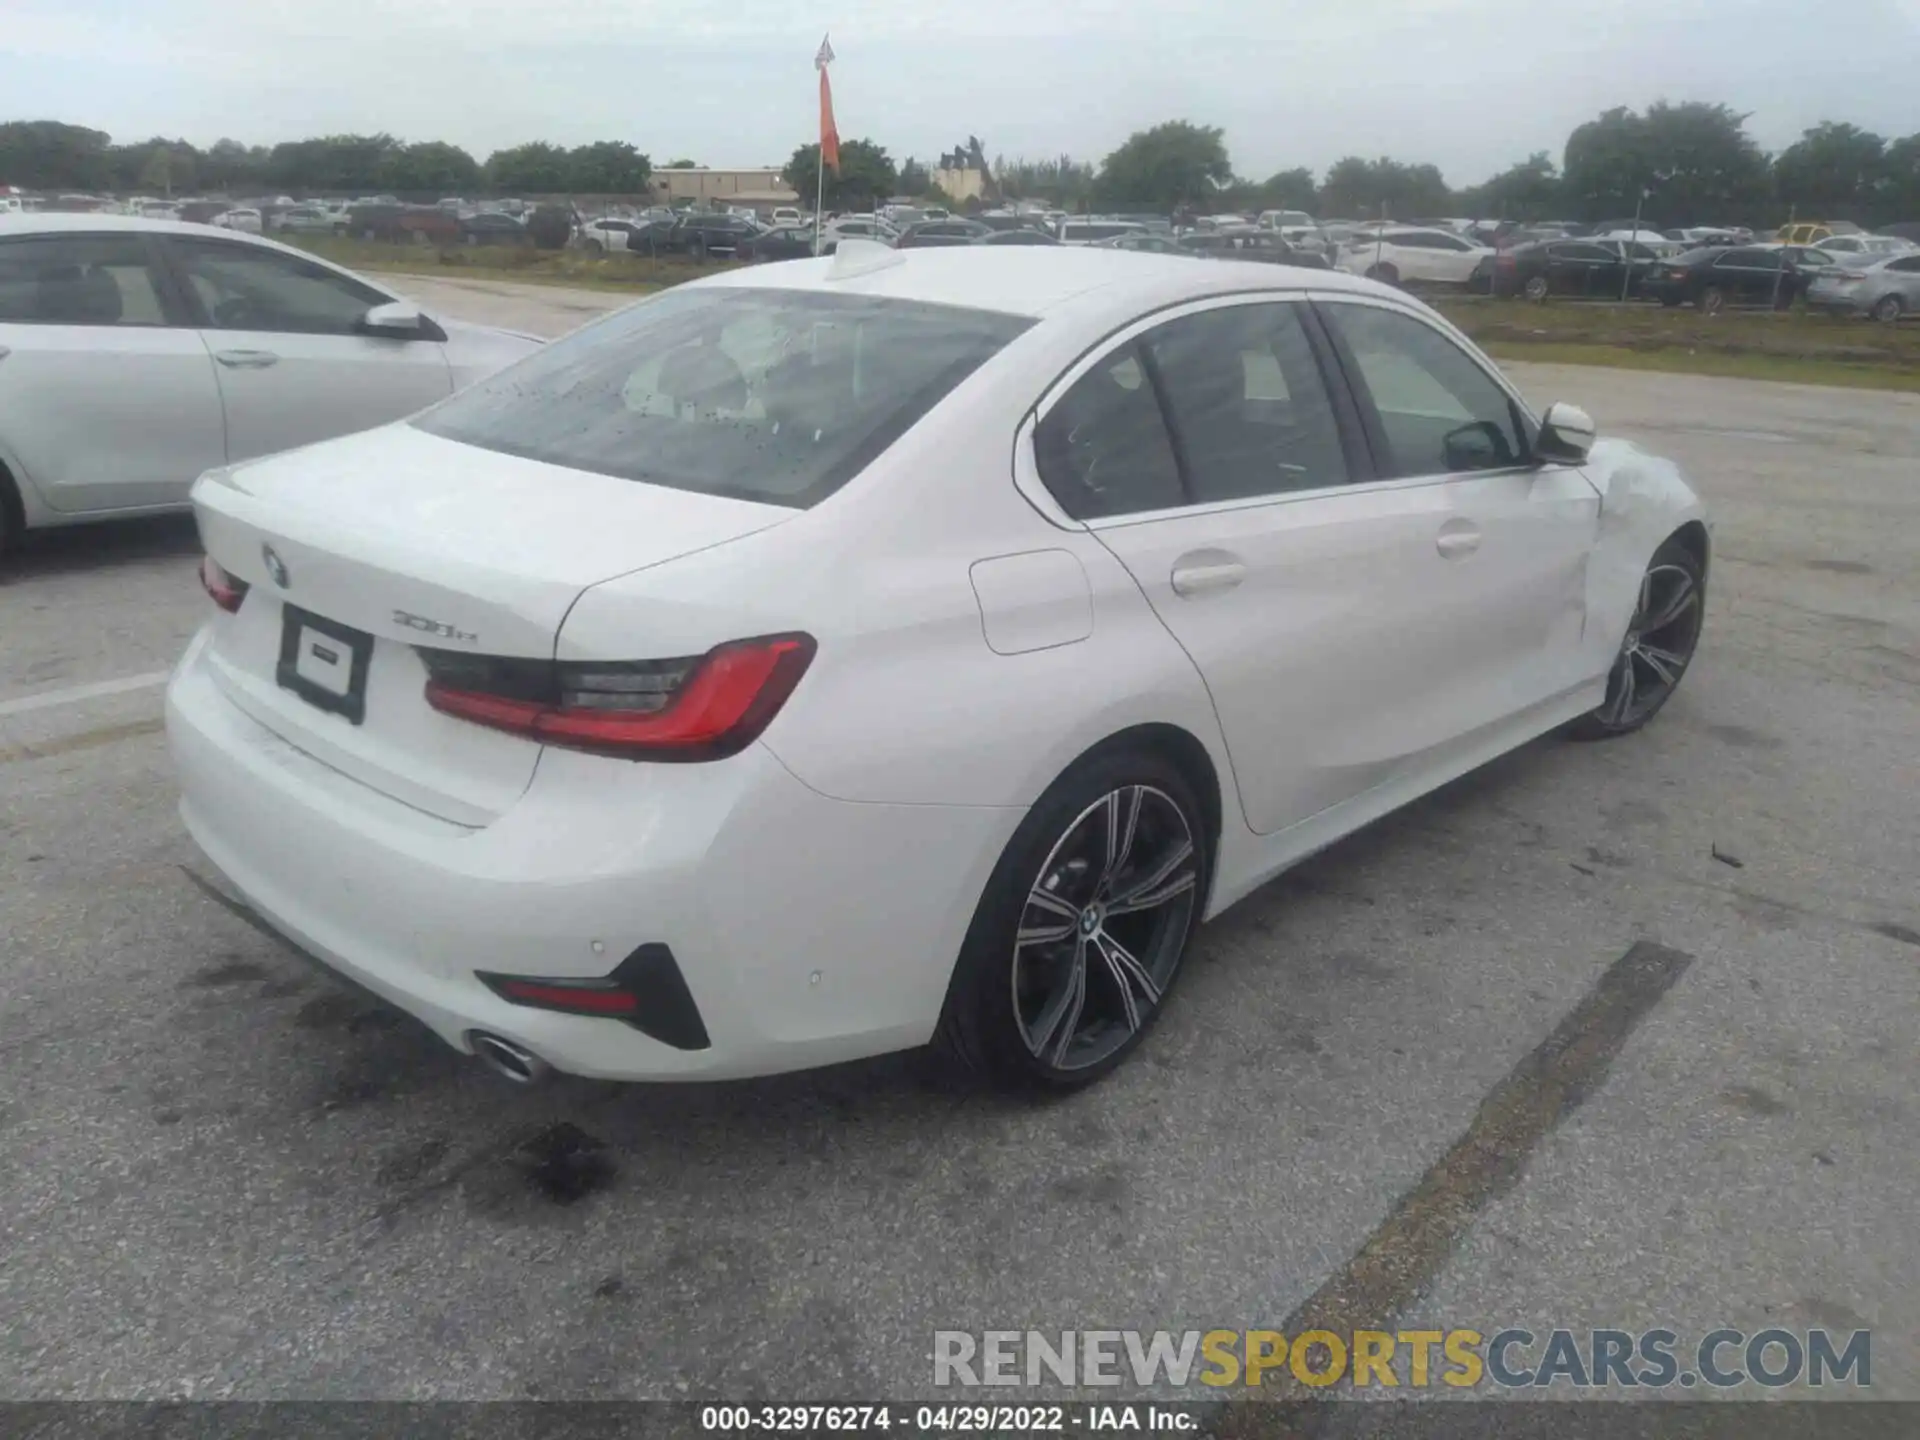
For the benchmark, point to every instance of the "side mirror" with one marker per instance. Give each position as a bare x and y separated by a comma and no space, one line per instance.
1566,435
396,320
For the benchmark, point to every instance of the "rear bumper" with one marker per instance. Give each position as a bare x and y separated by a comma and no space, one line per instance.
808,930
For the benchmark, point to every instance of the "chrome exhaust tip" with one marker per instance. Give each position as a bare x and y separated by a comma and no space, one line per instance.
508,1060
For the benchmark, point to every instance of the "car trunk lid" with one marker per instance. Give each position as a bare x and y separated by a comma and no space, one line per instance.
357,552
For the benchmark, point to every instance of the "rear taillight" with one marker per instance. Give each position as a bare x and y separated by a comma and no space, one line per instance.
227,591
701,708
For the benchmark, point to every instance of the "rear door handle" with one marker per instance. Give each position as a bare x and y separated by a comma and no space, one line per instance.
246,359
1457,538
1205,571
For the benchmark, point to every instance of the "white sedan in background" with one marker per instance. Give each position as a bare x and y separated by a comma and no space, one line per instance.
242,218
830,657
1396,255
136,354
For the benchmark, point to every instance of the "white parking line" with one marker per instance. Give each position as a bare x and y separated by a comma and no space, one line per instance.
74,694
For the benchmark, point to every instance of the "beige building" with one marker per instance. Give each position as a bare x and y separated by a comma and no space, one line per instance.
762,189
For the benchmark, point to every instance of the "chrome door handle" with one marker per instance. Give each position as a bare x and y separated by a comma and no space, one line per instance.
246,359
1457,538
1197,577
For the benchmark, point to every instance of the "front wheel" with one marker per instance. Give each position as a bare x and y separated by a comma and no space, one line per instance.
1082,929
1660,641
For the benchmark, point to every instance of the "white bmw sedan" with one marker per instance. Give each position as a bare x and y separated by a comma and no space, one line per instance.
136,354
827,658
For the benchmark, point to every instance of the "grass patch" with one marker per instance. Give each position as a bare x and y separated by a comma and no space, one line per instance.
1795,345
628,274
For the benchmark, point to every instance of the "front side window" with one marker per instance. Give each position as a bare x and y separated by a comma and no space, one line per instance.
1104,449
1439,410
776,396
78,280
1247,402
246,287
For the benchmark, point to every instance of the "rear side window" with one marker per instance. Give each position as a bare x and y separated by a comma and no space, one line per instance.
777,396
1104,449
78,280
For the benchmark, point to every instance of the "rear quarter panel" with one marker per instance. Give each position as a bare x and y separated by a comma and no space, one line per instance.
906,702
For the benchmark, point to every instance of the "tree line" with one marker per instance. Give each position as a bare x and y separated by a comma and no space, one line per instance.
51,156
1685,163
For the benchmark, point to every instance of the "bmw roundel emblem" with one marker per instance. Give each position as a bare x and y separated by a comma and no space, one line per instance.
276,567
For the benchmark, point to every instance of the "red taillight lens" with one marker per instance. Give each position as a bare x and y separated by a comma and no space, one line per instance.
703,708
227,591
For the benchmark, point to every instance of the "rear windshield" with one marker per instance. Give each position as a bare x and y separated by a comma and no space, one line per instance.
777,396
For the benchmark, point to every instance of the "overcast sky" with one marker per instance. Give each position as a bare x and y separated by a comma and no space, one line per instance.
1471,85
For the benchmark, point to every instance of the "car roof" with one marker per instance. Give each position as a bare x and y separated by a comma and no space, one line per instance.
53,222
86,223
1035,280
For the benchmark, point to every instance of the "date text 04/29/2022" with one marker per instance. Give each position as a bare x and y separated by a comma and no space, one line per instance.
960,1419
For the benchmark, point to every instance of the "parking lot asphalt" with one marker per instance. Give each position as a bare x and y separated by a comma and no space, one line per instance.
224,1176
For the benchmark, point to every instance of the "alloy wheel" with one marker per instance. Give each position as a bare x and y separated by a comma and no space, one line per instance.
1659,646
1104,926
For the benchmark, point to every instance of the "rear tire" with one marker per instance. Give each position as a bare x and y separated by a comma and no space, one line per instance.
1658,648
1385,274
1888,309
1536,289
1056,982
594,247
1712,300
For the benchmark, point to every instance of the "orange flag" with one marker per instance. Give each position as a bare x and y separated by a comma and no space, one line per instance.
829,132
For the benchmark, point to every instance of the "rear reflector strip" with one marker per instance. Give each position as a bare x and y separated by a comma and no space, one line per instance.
647,991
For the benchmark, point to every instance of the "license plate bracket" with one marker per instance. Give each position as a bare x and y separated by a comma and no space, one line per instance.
325,663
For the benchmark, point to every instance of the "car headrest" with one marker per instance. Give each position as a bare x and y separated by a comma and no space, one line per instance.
807,397
703,376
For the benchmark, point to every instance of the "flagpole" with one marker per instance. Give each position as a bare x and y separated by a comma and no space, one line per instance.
819,192
820,62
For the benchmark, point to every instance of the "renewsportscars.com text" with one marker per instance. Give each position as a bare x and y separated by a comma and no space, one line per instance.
1460,1358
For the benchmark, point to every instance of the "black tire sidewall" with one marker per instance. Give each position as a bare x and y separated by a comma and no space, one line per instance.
978,1027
